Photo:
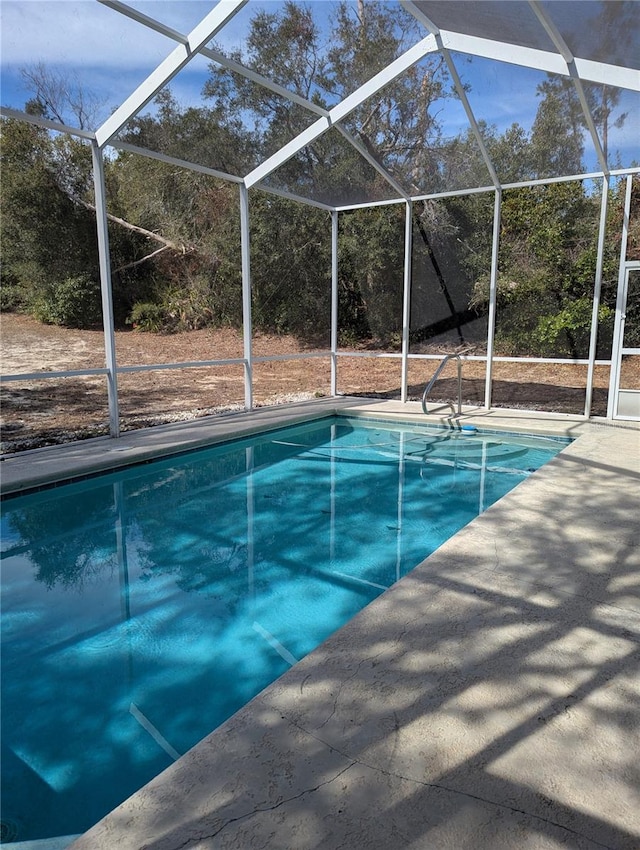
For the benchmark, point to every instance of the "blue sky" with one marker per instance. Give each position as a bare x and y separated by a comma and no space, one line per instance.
110,55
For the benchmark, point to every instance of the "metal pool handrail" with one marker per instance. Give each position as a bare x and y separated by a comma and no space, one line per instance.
435,378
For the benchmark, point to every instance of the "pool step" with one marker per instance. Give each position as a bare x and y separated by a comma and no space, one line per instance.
61,842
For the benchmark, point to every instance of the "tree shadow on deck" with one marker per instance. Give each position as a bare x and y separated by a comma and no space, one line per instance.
488,700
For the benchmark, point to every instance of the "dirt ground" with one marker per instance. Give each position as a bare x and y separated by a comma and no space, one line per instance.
42,412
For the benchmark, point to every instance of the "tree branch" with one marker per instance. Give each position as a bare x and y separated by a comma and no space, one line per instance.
141,260
141,230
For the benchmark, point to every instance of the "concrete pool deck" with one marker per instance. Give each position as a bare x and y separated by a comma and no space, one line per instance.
490,699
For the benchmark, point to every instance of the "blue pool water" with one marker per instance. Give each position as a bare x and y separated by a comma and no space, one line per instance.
142,608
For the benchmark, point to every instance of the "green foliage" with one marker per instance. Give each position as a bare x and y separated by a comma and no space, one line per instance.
47,239
547,270
370,264
175,236
198,280
147,316
572,322
177,311
290,268
11,294
74,302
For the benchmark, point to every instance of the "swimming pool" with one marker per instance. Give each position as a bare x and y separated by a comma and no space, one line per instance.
141,609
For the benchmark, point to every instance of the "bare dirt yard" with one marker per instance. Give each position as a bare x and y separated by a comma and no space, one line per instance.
43,412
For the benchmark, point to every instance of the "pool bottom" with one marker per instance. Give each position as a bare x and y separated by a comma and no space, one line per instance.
361,582
417,721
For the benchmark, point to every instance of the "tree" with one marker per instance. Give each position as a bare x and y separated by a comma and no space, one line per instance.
174,233
394,126
556,141
371,260
546,270
47,239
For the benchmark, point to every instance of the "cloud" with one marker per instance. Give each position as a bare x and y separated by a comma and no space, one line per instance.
76,33
107,53
81,32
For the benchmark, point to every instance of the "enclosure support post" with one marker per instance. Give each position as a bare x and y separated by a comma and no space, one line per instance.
597,287
493,289
247,329
614,373
334,303
102,226
406,297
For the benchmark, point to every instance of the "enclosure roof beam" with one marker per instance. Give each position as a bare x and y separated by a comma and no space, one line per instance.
167,69
292,196
379,167
541,60
435,31
343,109
249,74
216,56
141,18
172,160
560,43
608,75
369,205
45,123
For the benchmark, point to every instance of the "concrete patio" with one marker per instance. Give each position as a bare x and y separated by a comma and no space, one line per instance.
490,699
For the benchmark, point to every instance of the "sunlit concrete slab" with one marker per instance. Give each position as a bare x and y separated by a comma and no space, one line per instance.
490,699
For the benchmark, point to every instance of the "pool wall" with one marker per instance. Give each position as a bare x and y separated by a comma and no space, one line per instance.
25,471
458,709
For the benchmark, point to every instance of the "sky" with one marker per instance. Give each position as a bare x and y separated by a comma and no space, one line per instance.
110,55
106,51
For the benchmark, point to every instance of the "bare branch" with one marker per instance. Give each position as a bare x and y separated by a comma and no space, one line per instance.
141,260
62,96
168,243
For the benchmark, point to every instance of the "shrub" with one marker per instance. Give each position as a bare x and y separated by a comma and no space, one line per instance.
148,316
73,302
568,331
11,294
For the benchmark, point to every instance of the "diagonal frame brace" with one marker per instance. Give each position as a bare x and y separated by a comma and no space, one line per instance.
343,109
568,57
167,69
460,90
249,74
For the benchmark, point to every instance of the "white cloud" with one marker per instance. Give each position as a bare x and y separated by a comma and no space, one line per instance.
80,32
105,51
76,33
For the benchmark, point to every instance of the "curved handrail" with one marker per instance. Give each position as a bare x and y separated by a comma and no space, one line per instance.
435,378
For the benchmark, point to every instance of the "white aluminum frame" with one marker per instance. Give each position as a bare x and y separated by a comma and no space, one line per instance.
619,350
343,109
562,63
597,288
167,69
102,226
334,302
618,332
460,90
493,297
247,326
406,297
247,73
559,42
